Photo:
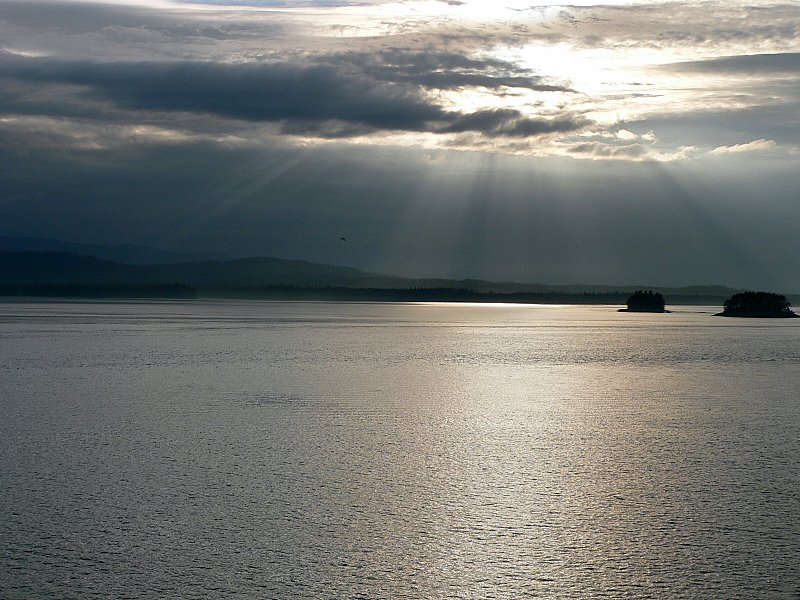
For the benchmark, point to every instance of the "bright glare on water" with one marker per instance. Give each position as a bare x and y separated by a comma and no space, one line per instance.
312,450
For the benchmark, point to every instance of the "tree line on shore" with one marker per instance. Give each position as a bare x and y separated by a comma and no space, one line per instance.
743,304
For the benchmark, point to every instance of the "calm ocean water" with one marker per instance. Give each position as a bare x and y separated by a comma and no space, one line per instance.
312,450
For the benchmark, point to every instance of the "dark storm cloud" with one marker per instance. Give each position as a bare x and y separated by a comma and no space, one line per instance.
254,92
445,80
315,99
511,122
752,64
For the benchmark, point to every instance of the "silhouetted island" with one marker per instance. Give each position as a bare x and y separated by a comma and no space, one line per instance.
757,304
645,301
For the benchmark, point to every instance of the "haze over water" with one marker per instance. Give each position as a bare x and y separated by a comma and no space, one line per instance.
311,450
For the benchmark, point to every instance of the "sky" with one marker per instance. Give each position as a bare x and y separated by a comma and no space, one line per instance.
622,142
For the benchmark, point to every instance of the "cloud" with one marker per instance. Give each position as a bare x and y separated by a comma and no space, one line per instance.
447,70
714,27
327,100
752,64
754,146
39,133
510,122
252,92
596,150
601,150
769,119
439,76
624,134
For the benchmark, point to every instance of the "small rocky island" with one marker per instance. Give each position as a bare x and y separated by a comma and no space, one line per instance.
645,301
757,304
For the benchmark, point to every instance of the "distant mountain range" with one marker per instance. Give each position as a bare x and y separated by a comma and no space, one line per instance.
31,266
67,268
131,254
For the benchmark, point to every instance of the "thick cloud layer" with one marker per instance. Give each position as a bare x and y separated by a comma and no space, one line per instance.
544,80
756,64
297,94
253,92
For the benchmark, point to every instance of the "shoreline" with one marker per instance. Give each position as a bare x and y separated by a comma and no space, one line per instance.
329,294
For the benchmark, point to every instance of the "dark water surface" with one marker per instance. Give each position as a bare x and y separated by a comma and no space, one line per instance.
311,450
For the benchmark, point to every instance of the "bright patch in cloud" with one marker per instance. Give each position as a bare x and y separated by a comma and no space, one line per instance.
754,146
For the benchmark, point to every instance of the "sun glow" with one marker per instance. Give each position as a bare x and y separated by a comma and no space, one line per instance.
489,10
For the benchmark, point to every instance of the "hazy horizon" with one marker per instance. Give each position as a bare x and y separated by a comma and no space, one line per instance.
142,256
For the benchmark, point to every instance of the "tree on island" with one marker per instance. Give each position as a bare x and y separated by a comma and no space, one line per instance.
757,304
645,301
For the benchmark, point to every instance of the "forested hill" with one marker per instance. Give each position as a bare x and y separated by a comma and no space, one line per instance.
133,254
66,268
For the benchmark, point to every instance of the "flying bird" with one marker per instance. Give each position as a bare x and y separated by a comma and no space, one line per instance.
344,240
